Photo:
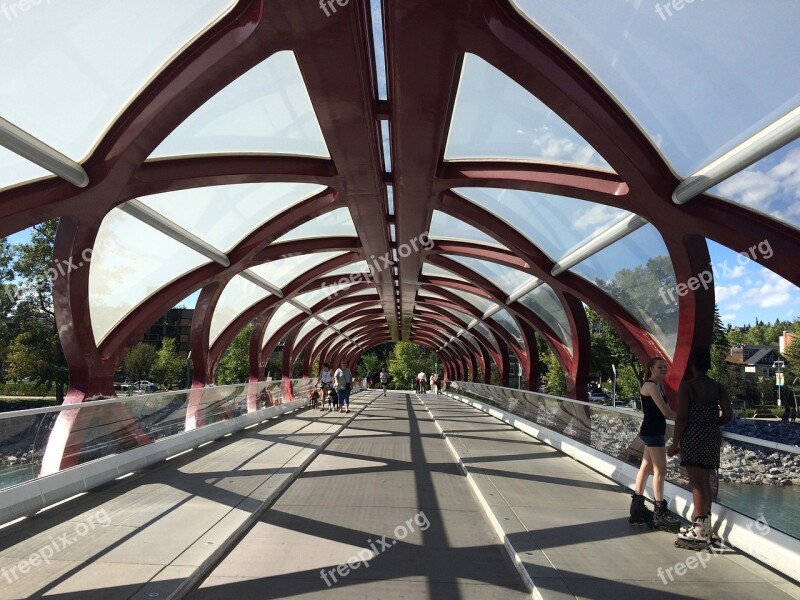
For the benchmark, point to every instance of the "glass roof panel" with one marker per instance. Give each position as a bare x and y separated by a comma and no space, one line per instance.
556,224
284,313
437,271
128,266
487,333
425,293
504,318
684,86
771,186
15,169
506,278
329,314
82,67
637,272
312,298
324,337
460,316
447,227
310,324
364,292
333,224
265,111
544,302
239,295
280,272
224,215
479,302
495,118
354,267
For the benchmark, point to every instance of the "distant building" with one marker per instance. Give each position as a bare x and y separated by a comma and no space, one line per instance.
786,340
176,324
754,361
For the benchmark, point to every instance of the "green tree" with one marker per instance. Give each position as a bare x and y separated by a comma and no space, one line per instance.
406,361
556,380
8,293
368,364
33,311
139,361
234,366
607,348
168,369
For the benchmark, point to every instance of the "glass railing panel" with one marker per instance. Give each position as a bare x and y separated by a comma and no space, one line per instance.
758,478
105,427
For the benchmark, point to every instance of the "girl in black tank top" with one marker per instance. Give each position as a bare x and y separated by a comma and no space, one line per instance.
654,458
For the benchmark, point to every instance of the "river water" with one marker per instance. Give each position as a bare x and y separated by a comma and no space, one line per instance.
778,506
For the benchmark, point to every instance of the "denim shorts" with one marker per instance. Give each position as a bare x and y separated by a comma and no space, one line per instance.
656,441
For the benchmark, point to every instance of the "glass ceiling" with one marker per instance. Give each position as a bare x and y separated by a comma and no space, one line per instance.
307,327
544,302
224,215
447,227
487,333
437,271
504,318
506,278
237,297
82,67
284,313
637,272
495,118
265,111
312,298
696,94
556,224
280,272
771,186
333,224
128,266
354,267
324,337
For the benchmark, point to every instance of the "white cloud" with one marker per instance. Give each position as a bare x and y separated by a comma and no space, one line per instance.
724,292
776,300
728,317
752,188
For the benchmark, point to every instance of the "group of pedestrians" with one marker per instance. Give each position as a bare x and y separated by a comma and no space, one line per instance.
334,388
422,381
703,405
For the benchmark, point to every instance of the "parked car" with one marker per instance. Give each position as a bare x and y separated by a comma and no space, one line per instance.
600,397
147,387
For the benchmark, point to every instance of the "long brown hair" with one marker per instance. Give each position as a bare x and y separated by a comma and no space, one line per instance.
650,364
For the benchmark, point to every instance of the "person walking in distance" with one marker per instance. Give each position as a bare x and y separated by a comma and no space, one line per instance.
703,405
654,458
434,382
384,378
326,383
421,379
344,381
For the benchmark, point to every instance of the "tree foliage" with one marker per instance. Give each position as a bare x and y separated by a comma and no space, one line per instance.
139,361
169,368
369,364
234,366
406,361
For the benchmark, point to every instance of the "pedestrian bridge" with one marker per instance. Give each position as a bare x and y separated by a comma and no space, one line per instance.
477,492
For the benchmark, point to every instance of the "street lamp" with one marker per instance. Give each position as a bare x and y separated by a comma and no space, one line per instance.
614,387
794,393
778,366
